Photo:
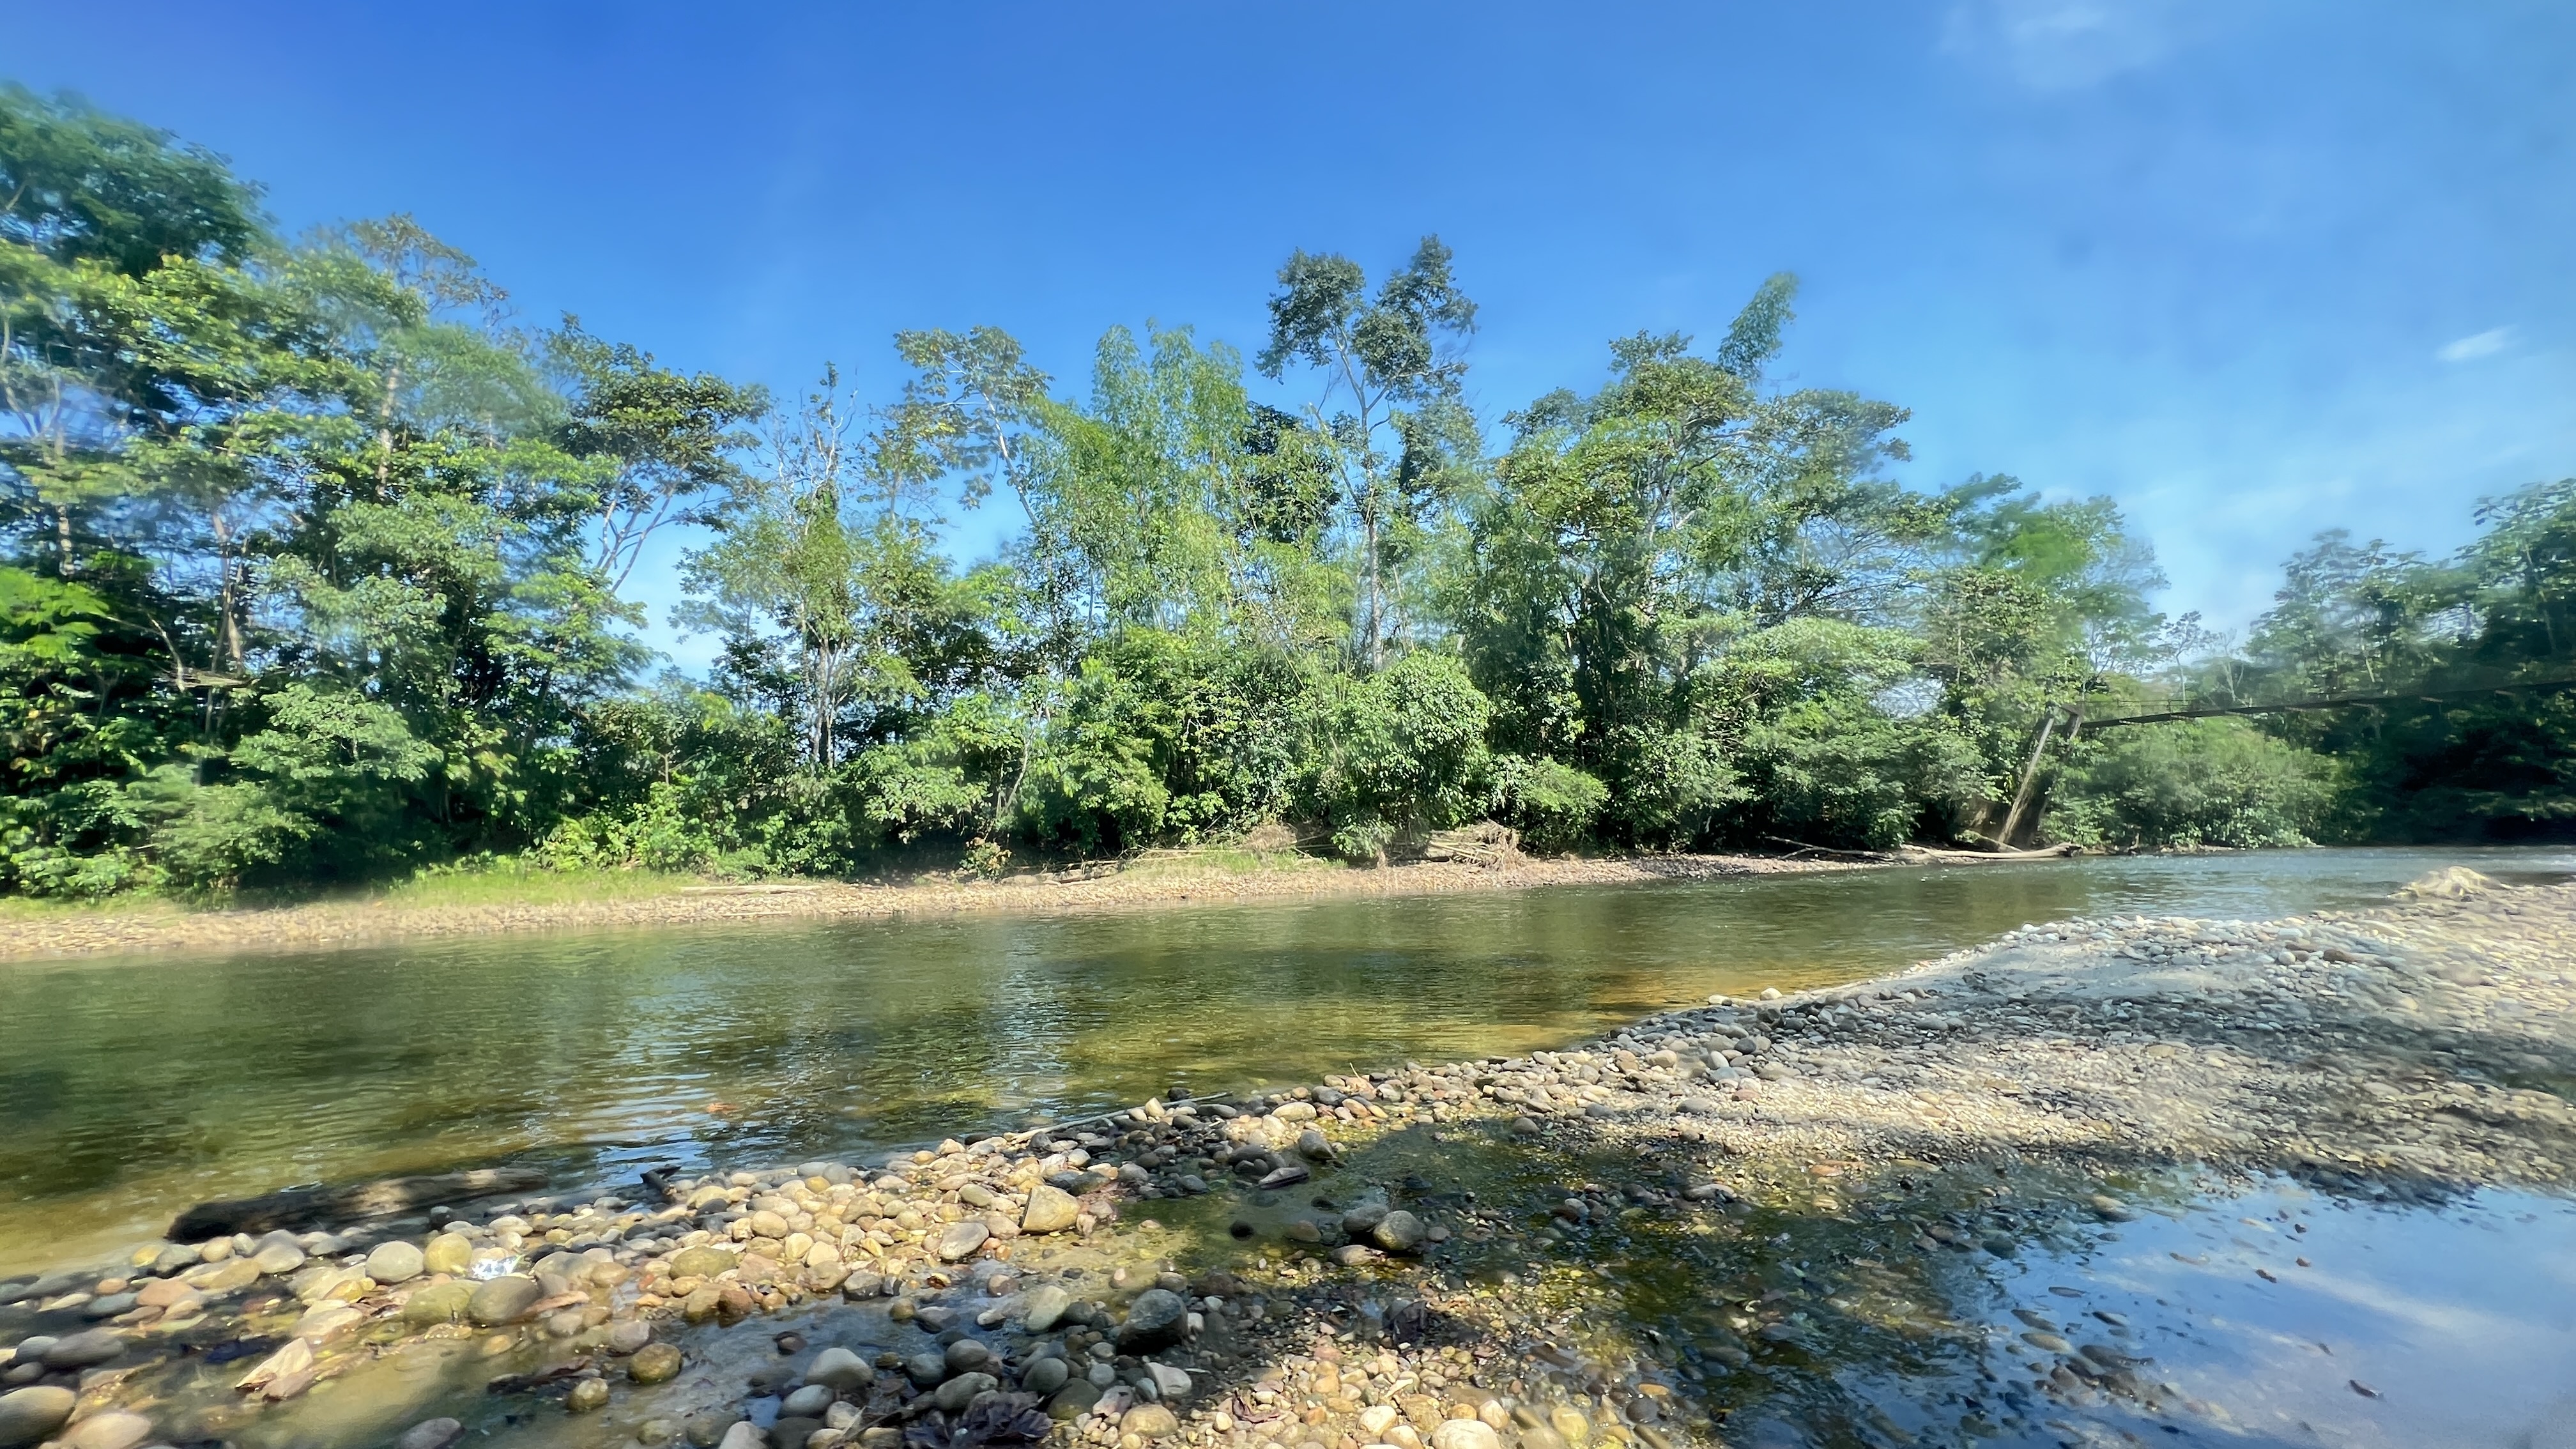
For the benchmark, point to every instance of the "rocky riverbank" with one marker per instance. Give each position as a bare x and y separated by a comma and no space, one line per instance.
343,923
1699,1229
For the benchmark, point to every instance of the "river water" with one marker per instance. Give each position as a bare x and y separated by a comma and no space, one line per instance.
131,1087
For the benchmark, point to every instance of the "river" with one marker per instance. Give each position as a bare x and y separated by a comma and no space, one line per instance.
131,1087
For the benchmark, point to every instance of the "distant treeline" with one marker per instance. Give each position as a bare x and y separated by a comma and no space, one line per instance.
315,566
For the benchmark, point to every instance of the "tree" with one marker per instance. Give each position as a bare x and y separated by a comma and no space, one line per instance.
1393,363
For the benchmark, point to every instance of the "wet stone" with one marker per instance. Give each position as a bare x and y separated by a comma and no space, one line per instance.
84,1350
654,1363
1045,1307
438,1303
840,1370
1046,1376
504,1299
1050,1210
114,1429
1157,1317
963,1239
701,1262
395,1262
587,1395
447,1253
1399,1232
31,1415
808,1402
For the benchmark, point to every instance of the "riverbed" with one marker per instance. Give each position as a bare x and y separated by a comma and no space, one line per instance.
131,1087
2119,1178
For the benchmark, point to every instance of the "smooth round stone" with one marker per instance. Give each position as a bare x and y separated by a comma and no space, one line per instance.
953,1396
587,1395
431,1434
438,1303
700,1262
963,1239
278,1258
840,1370
108,1306
925,1369
31,1415
808,1402
1046,1376
1398,1232
1153,1421
503,1299
1073,1400
626,1335
965,1356
84,1350
654,1363
395,1262
114,1429
1465,1434
447,1253
743,1435
1044,1307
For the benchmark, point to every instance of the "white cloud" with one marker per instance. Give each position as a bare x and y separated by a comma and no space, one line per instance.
2055,45
2477,345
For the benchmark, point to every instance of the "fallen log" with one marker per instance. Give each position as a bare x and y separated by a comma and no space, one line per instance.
1988,857
305,1207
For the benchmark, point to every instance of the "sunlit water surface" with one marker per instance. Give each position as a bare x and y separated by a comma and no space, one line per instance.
131,1087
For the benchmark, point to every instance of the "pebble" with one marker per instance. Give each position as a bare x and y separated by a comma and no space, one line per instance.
31,1415
841,1370
655,1363
396,1262
1153,1421
113,1429
1045,1376
1398,1232
84,1350
808,1402
447,1253
587,1395
1465,1434
1050,1210
505,1299
1157,1317
961,1240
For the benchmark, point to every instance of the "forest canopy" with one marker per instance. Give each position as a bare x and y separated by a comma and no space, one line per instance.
317,565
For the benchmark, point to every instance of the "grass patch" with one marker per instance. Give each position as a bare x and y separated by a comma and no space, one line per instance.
510,883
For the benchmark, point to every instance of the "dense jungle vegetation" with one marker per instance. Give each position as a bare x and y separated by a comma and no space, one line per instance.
315,566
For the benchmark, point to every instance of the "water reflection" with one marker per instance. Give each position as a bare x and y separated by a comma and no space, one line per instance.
129,1088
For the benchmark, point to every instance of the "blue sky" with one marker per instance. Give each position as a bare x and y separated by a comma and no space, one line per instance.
2253,269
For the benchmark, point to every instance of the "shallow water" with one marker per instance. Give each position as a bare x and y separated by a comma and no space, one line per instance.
131,1087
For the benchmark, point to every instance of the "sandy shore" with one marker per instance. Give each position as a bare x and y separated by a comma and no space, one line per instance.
338,923
1710,1222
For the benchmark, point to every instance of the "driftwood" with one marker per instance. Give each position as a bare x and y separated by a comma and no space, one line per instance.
756,888
304,1207
1484,843
1986,857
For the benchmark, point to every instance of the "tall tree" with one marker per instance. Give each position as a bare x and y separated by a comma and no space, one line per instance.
1393,378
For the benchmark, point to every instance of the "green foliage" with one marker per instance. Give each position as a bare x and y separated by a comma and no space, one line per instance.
2193,783
312,569
1550,802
